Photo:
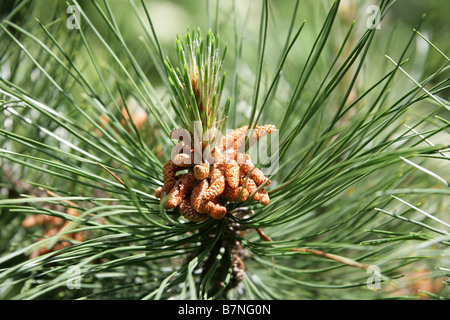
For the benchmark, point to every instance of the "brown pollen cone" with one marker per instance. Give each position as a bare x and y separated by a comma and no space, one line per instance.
203,189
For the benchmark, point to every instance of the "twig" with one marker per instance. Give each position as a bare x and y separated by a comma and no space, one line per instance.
113,174
344,260
51,193
263,236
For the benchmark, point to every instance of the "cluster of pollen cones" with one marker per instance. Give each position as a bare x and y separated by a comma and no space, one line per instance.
52,226
202,192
